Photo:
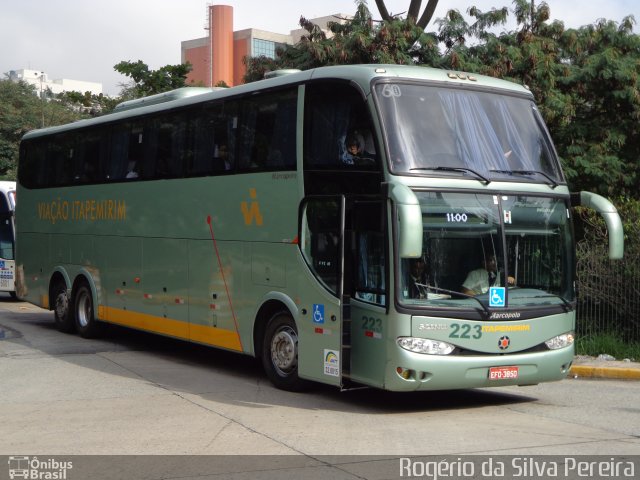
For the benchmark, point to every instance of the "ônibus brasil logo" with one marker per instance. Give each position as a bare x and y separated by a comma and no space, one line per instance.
36,469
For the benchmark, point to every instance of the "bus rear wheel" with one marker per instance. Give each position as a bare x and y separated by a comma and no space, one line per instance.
86,323
280,353
62,312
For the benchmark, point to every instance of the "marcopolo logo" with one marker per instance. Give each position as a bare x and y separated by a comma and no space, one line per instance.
38,469
504,315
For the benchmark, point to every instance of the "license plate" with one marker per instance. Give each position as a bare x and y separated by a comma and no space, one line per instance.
503,373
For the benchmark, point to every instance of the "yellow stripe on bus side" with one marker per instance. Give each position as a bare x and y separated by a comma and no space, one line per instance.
215,336
198,333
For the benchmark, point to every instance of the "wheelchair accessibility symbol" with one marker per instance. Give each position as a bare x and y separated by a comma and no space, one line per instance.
496,296
318,313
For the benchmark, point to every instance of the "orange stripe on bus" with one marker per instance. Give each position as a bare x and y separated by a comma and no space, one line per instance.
217,337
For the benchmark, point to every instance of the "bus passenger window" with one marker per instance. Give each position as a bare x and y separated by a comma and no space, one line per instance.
267,132
337,115
210,140
60,160
127,151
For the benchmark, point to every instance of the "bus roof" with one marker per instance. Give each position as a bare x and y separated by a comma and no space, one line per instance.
363,75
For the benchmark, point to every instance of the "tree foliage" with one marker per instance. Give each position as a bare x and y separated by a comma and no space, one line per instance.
21,110
149,82
88,102
357,40
413,13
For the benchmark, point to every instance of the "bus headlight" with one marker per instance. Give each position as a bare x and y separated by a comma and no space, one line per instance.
561,341
425,345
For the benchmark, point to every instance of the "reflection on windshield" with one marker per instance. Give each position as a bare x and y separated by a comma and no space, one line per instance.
464,253
476,133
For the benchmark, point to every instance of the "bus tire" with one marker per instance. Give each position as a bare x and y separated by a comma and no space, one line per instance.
62,310
280,353
86,323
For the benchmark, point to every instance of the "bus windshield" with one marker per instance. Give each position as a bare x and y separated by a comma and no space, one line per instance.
434,130
6,237
7,206
474,241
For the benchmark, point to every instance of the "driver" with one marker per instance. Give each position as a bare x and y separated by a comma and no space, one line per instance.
478,281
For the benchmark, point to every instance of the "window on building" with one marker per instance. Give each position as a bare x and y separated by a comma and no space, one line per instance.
264,48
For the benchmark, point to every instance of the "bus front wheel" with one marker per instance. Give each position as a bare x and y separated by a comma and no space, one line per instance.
62,313
86,323
280,353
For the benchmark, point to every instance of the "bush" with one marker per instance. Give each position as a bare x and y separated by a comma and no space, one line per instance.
609,291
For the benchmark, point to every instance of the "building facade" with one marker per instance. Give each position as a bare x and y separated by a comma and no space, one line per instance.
43,84
218,57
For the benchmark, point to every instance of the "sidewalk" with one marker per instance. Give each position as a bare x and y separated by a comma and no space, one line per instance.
597,367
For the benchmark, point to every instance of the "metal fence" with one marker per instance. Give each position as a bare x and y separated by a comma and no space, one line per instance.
608,292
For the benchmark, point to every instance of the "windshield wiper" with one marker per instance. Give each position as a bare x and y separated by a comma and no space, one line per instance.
553,183
451,292
567,305
455,169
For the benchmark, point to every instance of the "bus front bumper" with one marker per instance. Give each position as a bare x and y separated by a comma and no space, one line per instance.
408,371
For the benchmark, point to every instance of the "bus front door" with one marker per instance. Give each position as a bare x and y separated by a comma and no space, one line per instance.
324,353
343,242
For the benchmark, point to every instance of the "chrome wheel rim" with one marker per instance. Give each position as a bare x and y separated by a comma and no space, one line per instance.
84,309
284,350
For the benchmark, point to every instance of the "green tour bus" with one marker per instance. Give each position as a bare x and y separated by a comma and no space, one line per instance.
400,227
7,237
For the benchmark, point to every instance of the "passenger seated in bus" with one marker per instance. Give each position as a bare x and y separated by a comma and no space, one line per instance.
354,152
415,278
221,158
131,170
479,280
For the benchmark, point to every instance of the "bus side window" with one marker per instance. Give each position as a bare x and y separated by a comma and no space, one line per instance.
60,160
336,114
320,244
369,249
91,157
32,172
172,151
210,142
117,168
267,132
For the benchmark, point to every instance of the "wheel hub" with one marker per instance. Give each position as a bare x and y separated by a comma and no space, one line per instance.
284,354
62,304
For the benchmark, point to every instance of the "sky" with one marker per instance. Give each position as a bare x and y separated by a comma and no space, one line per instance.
84,39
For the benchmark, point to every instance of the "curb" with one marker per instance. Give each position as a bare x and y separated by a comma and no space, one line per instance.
586,371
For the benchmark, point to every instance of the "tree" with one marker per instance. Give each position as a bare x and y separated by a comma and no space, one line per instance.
149,82
88,102
357,40
21,110
412,14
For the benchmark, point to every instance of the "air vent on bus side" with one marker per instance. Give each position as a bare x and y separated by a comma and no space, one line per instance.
281,73
163,97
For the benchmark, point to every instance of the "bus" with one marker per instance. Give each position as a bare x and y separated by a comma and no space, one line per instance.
7,237
284,219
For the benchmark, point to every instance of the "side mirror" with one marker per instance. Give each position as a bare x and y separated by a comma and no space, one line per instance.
610,215
408,221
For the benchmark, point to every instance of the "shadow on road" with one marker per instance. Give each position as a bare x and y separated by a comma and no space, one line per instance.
219,375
